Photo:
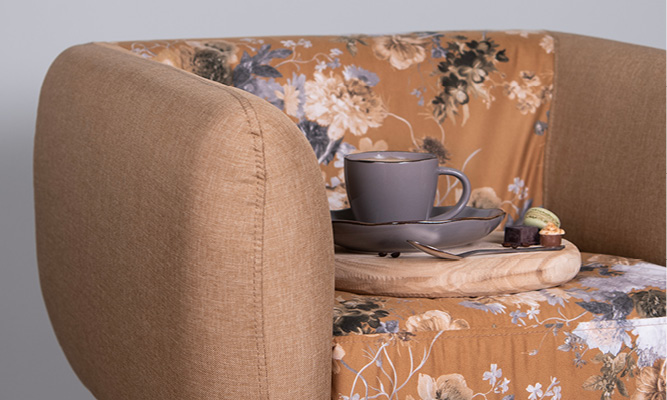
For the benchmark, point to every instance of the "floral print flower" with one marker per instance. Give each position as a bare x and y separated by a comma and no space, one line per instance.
484,197
503,387
625,278
649,303
608,382
434,320
535,391
547,44
343,105
359,315
493,375
319,140
517,317
338,352
608,336
337,355
178,57
446,387
528,92
434,146
518,187
463,74
366,144
556,296
401,51
354,72
651,340
290,97
337,198
212,60
652,382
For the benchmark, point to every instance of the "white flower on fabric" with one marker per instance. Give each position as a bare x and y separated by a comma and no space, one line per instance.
452,386
608,336
493,375
336,199
401,51
426,387
502,388
290,97
532,313
343,105
516,186
338,352
434,320
535,391
366,144
354,72
526,91
519,188
651,340
321,66
547,43
516,317
556,393
634,277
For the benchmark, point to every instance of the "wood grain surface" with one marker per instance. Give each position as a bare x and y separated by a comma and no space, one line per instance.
422,275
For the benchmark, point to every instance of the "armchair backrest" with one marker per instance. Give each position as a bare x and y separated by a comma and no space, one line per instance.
534,118
478,100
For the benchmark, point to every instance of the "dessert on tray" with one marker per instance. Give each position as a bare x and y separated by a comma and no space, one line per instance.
539,226
551,235
521,235
540,217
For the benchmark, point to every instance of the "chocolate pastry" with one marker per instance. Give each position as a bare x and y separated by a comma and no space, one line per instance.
521,235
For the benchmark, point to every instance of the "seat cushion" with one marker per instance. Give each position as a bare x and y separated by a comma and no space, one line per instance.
601,335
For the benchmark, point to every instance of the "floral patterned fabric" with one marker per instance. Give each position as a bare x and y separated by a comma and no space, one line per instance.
602,335
478,100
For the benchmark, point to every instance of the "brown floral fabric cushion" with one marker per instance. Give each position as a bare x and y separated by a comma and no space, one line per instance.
602,335
478,100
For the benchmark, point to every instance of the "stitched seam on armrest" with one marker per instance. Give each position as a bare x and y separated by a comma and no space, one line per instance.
258,249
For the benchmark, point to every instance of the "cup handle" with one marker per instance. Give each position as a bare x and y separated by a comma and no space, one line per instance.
465,196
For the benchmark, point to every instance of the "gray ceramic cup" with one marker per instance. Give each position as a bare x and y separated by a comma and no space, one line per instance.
385,186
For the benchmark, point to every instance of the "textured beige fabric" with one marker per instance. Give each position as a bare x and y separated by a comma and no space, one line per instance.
605,156
176,260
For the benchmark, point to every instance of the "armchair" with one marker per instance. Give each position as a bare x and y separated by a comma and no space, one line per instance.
184,240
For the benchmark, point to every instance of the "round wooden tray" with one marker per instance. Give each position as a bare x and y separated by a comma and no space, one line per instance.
421,275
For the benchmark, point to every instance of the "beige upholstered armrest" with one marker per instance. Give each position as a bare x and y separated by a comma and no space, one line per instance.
183,234
605,159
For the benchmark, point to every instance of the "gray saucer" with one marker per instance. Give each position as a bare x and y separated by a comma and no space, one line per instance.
387,237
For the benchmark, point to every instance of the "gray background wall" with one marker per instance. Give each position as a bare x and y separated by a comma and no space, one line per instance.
33,32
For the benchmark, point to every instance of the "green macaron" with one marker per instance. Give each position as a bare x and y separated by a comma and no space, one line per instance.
540,217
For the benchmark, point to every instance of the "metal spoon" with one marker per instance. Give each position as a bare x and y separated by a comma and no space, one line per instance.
453,257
